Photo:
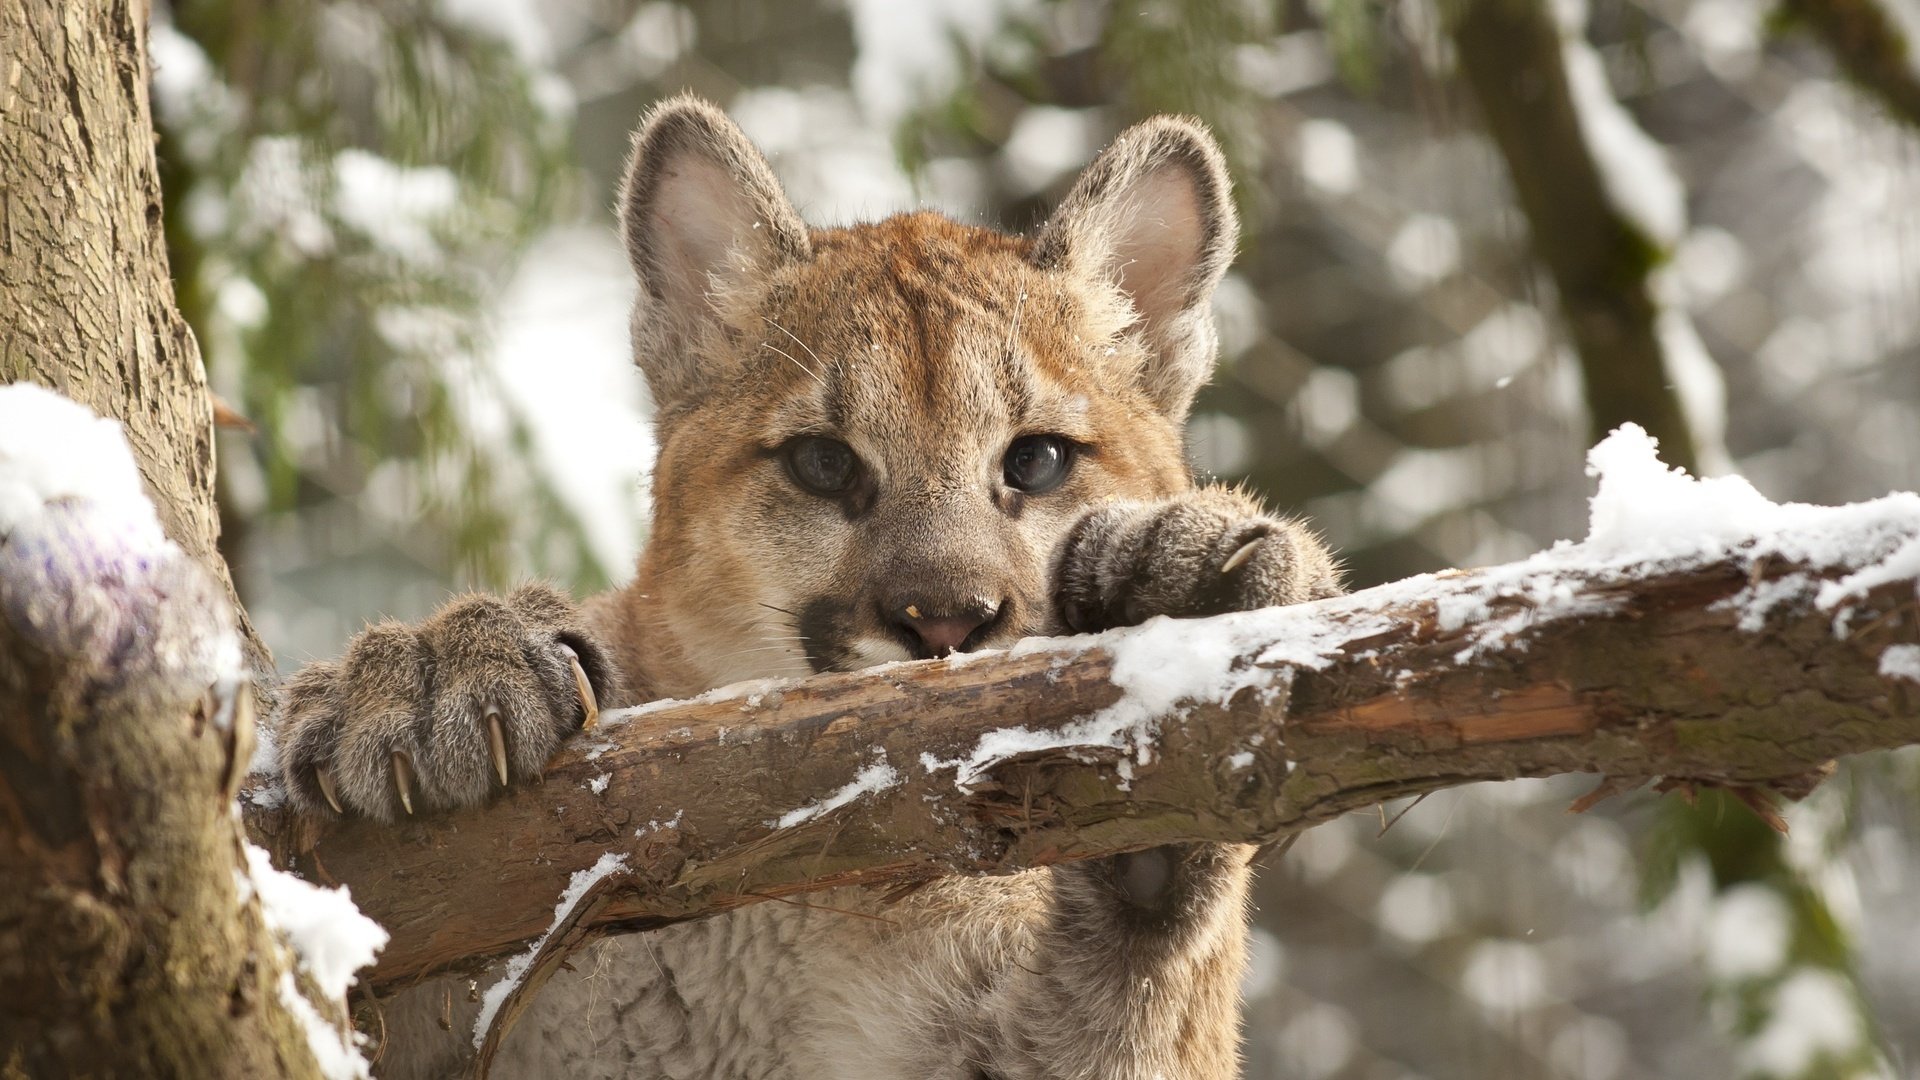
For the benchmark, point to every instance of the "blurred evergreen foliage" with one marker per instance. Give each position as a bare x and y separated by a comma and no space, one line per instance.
348,183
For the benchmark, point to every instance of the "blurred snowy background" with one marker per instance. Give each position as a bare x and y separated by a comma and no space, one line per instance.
389,220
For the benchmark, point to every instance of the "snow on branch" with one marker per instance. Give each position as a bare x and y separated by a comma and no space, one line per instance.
1700,634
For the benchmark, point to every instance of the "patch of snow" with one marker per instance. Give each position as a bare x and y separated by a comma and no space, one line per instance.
752,692
330,940
563,359
394,205
906,54
336,1052
1329,156
1241,760
1901,662
522,25
1639,180
54,449
1813,1014
873,779
598,785
606,866
55,453
329,936
656,826
1748,932
1159,665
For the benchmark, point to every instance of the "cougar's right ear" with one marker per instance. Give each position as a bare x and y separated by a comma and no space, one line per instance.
704,220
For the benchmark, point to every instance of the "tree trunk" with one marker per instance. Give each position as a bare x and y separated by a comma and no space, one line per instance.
126,947
1510,54
86,300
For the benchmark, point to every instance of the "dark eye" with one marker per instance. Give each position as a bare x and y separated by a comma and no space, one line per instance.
1037,464
821,466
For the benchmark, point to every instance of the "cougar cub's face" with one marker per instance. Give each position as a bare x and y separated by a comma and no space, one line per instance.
875,439
917,419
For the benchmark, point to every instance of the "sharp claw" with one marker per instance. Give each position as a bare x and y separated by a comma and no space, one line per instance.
497,744
1239,558
587,701
403,778
325,776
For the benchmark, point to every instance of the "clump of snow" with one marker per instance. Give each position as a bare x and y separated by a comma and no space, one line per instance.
53,449
336,1052
598,785
906,54
1160,665
330,941
57,457
1901,662
329,936
1748,933
1329,156
657,825
754,692
1813,1014
1640,182
394,205
1647,513
606,866
870,780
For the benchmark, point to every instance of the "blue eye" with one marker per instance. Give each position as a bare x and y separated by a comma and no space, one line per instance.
820,466
1036,464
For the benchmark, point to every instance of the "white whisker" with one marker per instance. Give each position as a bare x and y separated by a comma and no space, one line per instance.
796,363
796,341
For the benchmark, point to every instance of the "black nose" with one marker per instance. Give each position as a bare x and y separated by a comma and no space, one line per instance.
943,628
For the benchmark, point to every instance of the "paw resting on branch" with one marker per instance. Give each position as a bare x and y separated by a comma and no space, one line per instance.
1700,634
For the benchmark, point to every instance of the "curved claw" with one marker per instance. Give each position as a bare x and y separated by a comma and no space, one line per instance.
497,744
403,778
324,776
1238,558
588,702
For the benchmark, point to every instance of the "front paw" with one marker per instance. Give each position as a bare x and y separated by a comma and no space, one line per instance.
440,715
1199,553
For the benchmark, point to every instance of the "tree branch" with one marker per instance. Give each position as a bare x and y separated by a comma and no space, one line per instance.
1868,44
1513,58
1745,669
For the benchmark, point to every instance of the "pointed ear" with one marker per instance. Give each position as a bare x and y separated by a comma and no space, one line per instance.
1153,216
704,223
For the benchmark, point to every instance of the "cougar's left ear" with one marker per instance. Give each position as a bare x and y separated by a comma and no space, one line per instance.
704,221
1153,215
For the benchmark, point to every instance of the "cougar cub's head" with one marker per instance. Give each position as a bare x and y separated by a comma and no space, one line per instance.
874,439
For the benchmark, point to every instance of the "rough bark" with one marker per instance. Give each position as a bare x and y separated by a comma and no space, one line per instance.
1657,680
86,301
125,948
1599,260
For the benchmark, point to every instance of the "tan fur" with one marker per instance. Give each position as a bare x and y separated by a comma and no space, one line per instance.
928,348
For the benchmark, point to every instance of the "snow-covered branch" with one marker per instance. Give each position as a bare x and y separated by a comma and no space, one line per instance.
1700,634
1875,42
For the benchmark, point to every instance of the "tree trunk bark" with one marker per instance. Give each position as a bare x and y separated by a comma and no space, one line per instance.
891,777
1600,262
126,945
86,300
